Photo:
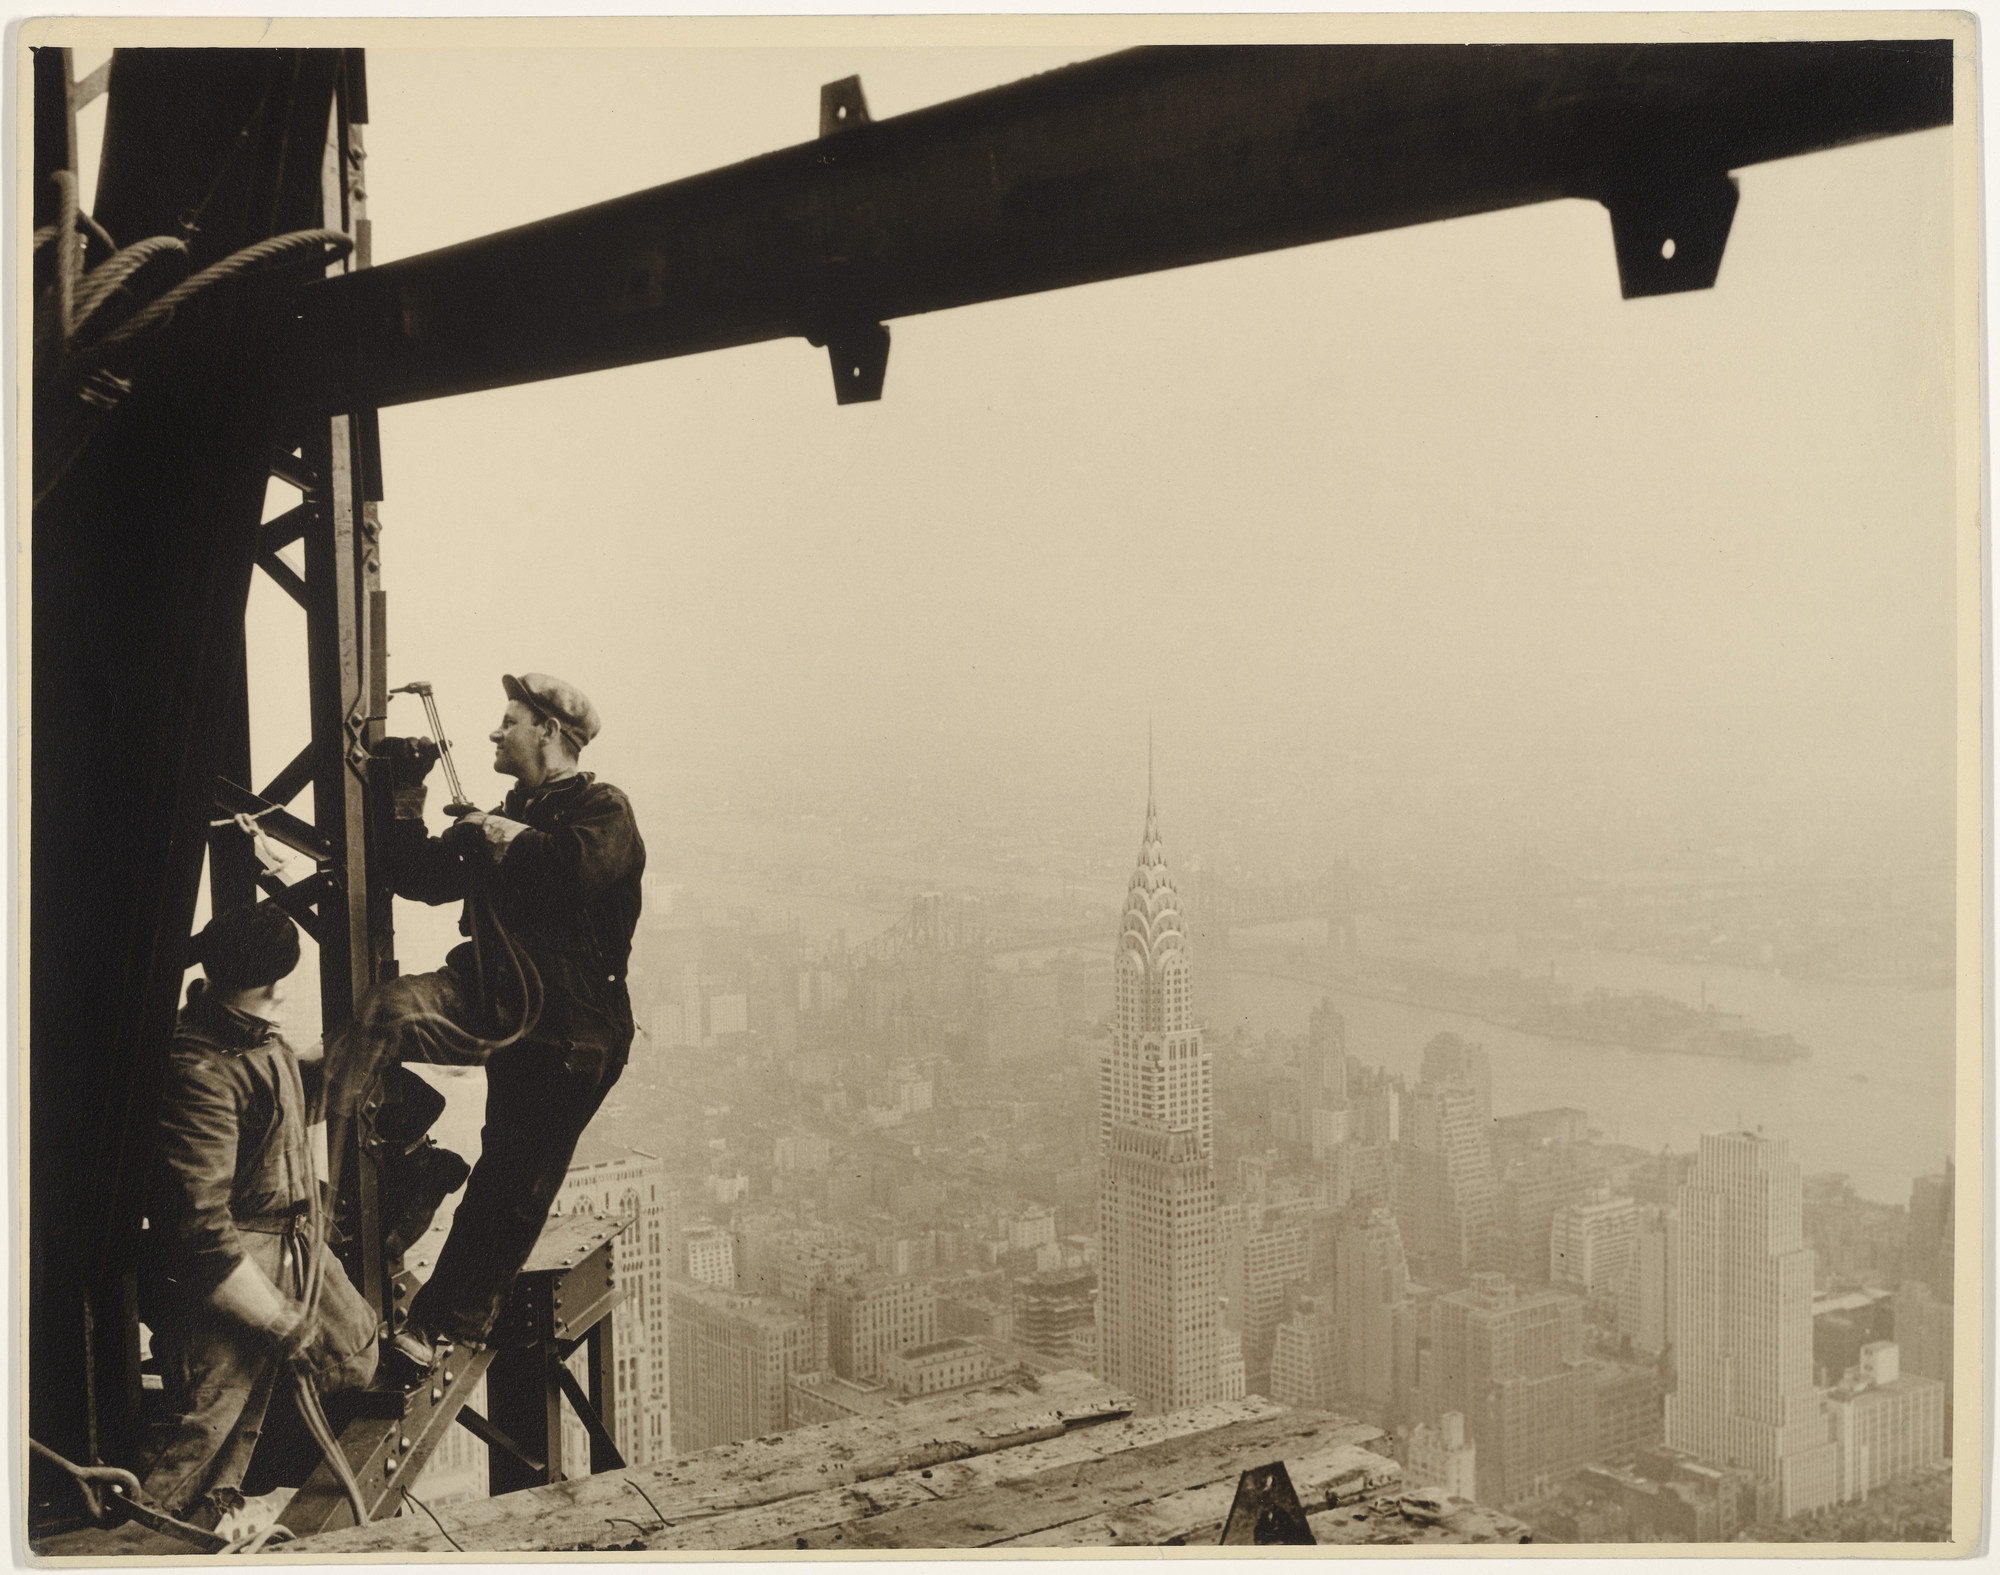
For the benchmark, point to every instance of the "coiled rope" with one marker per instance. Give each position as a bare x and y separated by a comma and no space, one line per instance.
81,353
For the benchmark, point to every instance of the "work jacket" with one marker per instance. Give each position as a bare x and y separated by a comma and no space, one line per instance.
567,892
231,1154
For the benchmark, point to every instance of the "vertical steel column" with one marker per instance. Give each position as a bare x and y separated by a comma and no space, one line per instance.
346,610
338,642
602,1344
524,1401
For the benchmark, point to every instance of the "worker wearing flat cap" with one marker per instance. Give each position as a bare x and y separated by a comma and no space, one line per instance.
230,1203
550,881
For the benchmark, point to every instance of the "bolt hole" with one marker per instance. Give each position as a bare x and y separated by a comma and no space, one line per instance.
840,113
854,371
1667,248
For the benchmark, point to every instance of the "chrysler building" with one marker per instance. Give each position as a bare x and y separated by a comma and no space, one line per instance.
1159,1237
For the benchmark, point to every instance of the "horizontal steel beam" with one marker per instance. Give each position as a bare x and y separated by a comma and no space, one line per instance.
1149,159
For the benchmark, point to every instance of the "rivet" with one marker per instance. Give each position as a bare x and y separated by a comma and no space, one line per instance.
437,1394
406,1443
447,1375
389,1467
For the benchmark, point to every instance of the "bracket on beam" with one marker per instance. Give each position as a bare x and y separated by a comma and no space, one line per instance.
859,353
842,105
1669,230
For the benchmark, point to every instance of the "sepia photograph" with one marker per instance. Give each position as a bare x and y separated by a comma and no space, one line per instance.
828,785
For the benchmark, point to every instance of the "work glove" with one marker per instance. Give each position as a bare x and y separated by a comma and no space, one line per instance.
290,1330
409,761
467,836
332,1370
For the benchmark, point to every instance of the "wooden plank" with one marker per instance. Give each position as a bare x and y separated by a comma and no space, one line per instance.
1071,1494
1194,1516
959,1477
783,1524
753,1472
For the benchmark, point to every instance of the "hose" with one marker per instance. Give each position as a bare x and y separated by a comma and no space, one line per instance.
468,1048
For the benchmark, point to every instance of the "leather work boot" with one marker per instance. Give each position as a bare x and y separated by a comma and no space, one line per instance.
411,1358
419,1182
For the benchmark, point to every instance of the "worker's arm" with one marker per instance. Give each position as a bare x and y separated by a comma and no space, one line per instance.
417,865
583,858
197,1151
247,1295
420,867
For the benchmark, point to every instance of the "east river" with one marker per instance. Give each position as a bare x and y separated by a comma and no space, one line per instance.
1874,1099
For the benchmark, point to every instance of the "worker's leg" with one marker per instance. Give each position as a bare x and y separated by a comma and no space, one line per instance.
418,1017
219,1377
539,1099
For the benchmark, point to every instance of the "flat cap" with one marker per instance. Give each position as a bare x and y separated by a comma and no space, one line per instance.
564,704
248,947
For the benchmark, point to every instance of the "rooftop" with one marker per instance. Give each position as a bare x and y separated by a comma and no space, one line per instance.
1058,1462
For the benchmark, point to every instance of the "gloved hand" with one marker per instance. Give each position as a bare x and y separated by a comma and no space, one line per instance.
481,833
466,836
291,1329
409,761
332,1370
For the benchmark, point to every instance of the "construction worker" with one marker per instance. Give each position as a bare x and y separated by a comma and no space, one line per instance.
231,1226
550,882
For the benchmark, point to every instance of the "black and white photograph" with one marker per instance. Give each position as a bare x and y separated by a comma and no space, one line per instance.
850,785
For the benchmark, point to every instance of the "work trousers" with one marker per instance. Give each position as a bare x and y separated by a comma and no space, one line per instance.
218,1376
539,1099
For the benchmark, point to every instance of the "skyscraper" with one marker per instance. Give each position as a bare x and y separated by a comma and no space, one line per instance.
1743,1287
1646,1296
633,1184
1511,1362
1159,1244
1444,1178
1928,1256
1591,1245
732,1359
1449,1059
1370,1282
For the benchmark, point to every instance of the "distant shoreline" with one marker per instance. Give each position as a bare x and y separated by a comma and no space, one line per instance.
1341,988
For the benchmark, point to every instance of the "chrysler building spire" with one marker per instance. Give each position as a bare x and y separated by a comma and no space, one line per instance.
1159,1259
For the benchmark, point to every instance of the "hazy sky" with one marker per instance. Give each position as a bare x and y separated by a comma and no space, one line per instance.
1435,500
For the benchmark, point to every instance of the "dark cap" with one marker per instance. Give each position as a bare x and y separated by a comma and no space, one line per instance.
563,704
248,947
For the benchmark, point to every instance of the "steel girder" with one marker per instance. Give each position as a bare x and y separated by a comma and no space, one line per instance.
1150,159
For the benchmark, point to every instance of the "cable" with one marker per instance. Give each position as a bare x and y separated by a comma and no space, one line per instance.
113,273
434,1520
277,247
69,259
313,1413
